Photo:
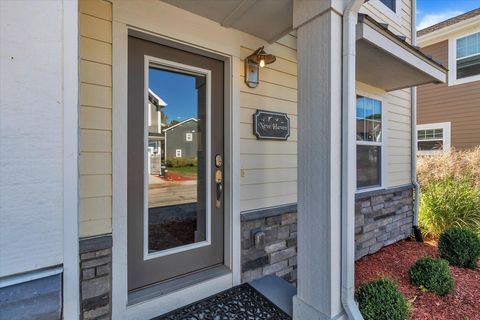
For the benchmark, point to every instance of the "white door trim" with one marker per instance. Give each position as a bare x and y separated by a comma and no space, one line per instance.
71,269
122,23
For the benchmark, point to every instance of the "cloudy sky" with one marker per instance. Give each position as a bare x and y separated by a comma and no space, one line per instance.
430,12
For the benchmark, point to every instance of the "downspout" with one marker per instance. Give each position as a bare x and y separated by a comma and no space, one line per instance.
413,162
350,17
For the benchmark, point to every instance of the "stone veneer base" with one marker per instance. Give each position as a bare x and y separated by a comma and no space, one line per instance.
268,247
96,277
269,236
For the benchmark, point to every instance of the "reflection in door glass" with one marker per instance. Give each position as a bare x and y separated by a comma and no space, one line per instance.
176,158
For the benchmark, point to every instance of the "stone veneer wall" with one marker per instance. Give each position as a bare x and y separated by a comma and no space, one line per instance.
382,219
96,277
269,245
269,236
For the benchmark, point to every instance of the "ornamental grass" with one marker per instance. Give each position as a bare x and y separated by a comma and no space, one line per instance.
450,191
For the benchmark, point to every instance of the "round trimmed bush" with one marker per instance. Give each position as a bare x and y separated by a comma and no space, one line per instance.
461,247
381,300
433,275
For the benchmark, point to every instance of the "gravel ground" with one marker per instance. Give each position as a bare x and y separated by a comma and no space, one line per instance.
395,260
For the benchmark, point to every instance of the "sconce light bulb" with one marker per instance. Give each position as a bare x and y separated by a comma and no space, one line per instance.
262,63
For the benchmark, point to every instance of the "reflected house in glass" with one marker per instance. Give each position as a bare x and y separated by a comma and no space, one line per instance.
155,135
181,140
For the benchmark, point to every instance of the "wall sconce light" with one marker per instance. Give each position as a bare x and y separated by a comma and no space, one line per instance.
253,63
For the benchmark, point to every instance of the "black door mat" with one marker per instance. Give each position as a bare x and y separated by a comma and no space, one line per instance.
242,302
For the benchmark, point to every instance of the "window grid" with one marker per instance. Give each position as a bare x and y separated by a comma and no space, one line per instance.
369,143
468,56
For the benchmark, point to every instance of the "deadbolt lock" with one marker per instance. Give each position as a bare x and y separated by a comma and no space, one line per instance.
218,161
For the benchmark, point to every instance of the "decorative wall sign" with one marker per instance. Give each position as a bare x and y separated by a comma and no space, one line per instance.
271,125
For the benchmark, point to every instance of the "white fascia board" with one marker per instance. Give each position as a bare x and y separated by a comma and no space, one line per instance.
446,32
377,39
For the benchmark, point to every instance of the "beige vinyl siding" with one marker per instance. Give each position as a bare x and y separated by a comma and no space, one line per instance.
269,168
401,25
398,137
458,104
268,174
398,103
95,117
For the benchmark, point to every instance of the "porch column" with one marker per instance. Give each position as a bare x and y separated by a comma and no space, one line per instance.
319,45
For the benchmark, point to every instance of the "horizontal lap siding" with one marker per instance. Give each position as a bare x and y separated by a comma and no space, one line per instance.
269,168
400,25
458,104
95,117
398,135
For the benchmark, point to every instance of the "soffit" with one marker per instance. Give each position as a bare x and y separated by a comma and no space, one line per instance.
265,19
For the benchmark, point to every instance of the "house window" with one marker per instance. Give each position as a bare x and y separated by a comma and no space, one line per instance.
433,138
391,4
369,142
178,153
188,136
468,56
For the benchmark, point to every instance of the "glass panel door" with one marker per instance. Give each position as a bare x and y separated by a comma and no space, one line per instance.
175,189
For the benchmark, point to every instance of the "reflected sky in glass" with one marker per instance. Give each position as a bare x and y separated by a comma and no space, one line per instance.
177,90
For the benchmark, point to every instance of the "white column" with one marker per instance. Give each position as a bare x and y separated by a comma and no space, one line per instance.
319,47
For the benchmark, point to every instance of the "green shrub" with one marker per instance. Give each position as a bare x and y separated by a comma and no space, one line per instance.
181,162
461,247
433,275
449,202
381,300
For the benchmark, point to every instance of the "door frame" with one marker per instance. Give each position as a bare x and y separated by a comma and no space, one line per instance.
122,27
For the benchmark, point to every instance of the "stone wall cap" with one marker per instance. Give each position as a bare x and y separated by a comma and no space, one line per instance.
380,192
268,212
95,243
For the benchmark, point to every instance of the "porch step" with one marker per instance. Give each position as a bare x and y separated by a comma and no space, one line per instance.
277,290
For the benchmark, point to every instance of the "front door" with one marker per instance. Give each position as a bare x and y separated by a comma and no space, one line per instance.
175,162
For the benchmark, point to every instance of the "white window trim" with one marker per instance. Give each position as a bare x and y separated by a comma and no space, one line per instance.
447,137
188,136
383,145
393,15
452,60
149,113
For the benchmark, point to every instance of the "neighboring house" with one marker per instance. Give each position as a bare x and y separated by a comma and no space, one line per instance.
449,114
181,140
75,222
155,136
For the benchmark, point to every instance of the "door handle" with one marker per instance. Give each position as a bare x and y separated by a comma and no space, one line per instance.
219,183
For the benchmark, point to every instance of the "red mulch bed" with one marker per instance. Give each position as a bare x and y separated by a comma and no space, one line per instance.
394,262
170,176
